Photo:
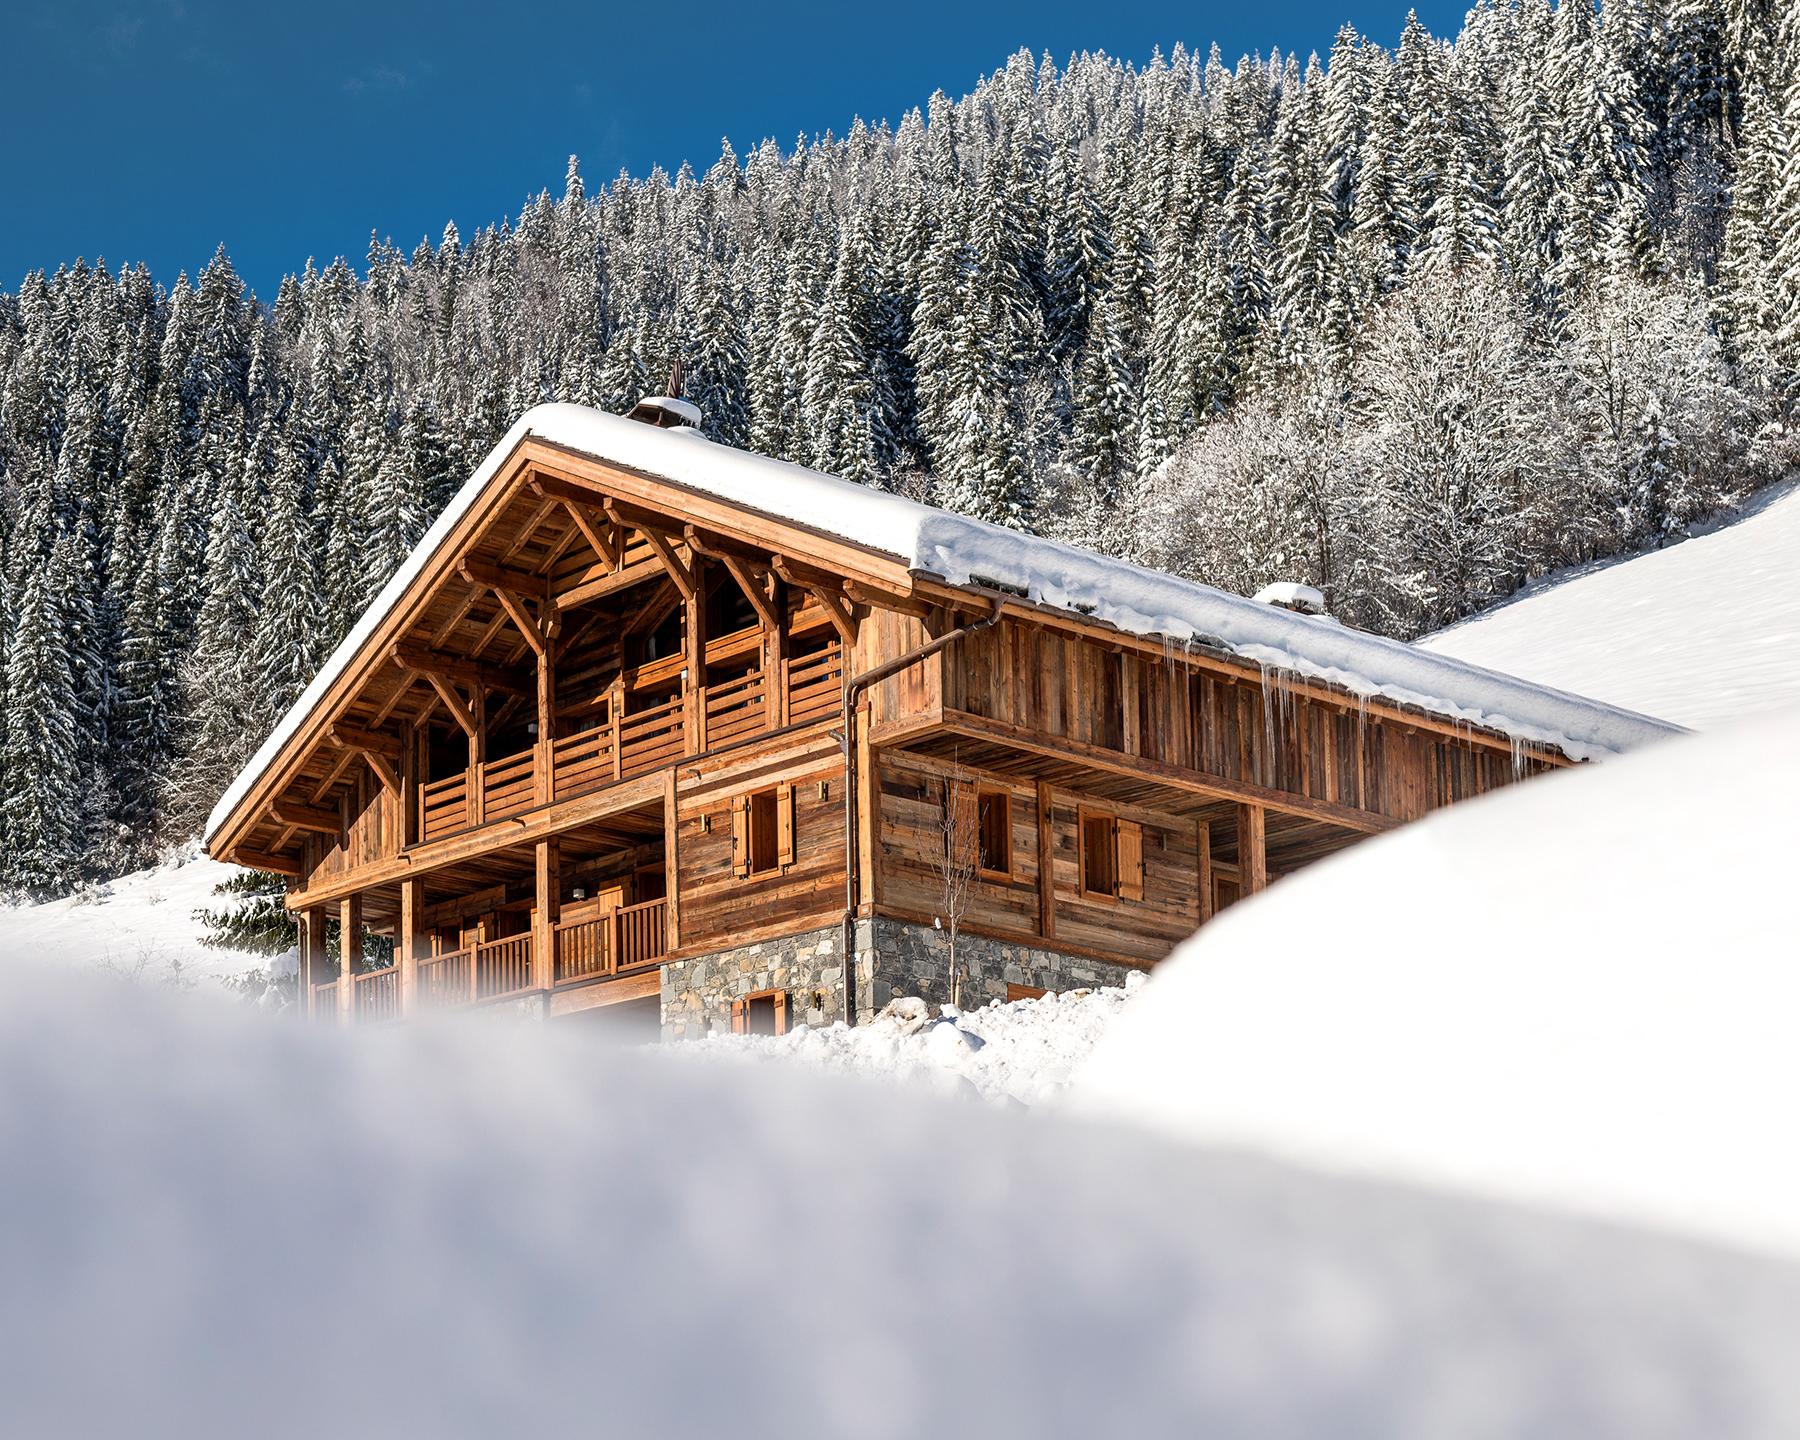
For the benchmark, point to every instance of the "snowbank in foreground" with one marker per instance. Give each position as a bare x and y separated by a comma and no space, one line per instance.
217,1224
1581,990
140,926
1024,1051
1701,633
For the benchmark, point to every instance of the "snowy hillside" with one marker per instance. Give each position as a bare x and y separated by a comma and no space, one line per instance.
141,926
1578,991
1699,633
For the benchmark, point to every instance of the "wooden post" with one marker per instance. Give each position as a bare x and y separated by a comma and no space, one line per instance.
1203,846
868,807
406,943
671,868
1046,861
1129,737
477,756
349,952
545,759
776,658
544,916
1253,848
312,955
696,662
409,785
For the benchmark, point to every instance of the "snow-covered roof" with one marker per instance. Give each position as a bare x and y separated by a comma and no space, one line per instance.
962,551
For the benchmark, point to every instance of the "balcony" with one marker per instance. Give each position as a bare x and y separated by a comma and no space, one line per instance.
618,943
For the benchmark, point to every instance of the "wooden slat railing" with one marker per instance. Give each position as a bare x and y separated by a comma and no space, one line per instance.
651,739
584,949
508,785
325,1001
736,708
586,761
377,994
815,684
619,940
443,806
638,931
502,967
444,980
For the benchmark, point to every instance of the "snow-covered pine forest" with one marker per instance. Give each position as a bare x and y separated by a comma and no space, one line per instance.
1412,324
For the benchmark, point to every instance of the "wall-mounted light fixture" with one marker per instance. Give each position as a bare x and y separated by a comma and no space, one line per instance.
579,892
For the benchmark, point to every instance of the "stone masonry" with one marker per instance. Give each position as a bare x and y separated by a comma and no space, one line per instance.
893,958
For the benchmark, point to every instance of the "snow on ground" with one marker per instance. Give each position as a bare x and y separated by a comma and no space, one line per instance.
141,926
1024,1051
1579,991
218,1223
1698,633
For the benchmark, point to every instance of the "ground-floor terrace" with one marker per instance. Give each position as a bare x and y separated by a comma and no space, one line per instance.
711,894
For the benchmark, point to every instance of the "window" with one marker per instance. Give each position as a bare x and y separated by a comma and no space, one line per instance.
994,824
764,1013
1099,855
762,831
1112,857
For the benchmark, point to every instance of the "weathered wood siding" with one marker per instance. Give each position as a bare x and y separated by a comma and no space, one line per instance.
719,907
909,884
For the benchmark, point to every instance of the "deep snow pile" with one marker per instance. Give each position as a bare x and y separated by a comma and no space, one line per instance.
1023,1051
141,926
1578,991
1699,633
214,1223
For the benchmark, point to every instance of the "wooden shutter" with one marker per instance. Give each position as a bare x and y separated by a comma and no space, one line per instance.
784,824
740,1017
1131,860
965,822
781,1012
740,836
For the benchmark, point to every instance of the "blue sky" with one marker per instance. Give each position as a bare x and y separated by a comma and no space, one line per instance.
156,131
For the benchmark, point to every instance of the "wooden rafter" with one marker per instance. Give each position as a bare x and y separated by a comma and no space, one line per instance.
384,770
753,591
469,672
578,502
504,579
301,816
679,570
262,860
461,711
355,737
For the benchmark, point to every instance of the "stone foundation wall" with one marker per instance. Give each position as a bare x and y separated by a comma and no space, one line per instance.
893,958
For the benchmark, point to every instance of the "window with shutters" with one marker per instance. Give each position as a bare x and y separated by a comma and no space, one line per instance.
994,825
762,831
764,1013
1112,857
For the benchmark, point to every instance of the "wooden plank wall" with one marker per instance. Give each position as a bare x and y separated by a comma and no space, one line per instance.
909,887
373,828
718,908
1238,728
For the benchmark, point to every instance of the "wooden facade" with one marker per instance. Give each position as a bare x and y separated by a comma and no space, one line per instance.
604,727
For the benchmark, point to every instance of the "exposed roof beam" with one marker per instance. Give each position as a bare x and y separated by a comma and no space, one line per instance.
503,579
679,570
262,860
470,672
354,737
308,817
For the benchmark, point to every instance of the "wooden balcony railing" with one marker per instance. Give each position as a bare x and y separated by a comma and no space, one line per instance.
325,1001
736,708
628,745
651,738
508,785
443,806
616,942
586,761
377,994
815,684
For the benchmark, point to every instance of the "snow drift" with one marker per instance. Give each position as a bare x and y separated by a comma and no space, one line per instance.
1579,991
216,1224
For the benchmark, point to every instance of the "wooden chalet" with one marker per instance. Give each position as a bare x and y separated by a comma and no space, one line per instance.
650,727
